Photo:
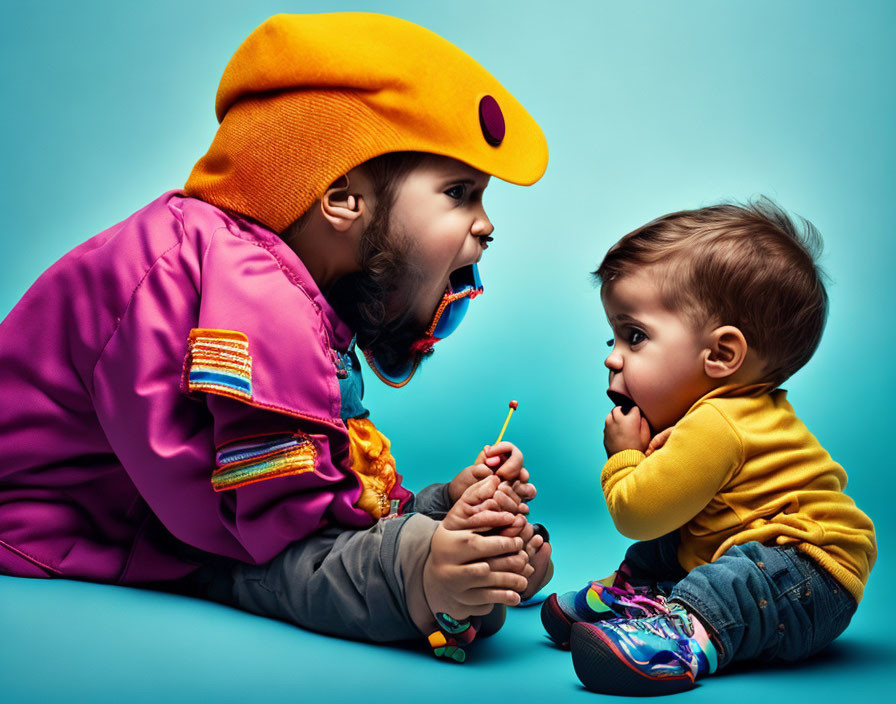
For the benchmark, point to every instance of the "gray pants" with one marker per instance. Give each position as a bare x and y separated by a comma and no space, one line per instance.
348,583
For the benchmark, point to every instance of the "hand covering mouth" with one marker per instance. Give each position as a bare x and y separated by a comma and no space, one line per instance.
621,400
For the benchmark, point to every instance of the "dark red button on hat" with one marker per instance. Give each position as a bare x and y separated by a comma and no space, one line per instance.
491,119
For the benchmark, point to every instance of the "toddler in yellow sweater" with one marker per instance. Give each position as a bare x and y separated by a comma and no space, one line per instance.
749,549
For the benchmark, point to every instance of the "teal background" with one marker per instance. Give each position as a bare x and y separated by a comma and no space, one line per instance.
648,107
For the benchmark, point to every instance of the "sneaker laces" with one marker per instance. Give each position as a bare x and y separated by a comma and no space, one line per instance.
652,596
670,622
637,597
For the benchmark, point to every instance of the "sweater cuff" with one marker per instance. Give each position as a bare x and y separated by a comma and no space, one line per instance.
625,458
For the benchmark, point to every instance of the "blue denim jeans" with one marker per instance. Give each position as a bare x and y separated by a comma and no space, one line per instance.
759,602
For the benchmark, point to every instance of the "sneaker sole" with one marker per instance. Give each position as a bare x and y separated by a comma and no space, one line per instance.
556,622
603,668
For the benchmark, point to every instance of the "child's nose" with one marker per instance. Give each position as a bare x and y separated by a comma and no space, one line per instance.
482,226
614,361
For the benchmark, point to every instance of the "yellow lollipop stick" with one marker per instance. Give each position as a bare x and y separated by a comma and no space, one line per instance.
513,406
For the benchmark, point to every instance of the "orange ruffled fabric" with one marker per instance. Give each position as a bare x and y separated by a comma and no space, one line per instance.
374,464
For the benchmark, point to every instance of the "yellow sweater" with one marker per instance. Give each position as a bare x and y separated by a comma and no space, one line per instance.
737,469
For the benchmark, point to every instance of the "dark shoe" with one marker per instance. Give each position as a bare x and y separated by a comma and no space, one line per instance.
660,654
597,602
555,621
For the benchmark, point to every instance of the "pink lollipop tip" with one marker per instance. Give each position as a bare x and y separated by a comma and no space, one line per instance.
514,405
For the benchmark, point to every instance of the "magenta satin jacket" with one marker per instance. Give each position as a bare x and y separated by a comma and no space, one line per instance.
171,382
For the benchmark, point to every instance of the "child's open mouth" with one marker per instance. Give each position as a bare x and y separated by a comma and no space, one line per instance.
621,400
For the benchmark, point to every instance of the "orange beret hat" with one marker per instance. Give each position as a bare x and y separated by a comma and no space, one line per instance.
306,98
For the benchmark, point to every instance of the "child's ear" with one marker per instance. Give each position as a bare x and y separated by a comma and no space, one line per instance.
726,353
342,205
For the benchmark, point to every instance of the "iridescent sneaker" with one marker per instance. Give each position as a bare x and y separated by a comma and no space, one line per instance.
608,598
660,654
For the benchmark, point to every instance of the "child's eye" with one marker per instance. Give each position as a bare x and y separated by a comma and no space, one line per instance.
636,337
456,192
610,342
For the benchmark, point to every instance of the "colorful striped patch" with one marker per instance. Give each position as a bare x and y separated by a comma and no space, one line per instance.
219,362
243,463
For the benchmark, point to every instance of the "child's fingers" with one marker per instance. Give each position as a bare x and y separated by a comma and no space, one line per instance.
496,580
515,528
480,471
506,458
487,505
632,419
508,472
480,491
509,563
533,546
511,468
617,414
477,575
487,520
658,441
507,495
521,499
482,547
524,490
505,447
508,597
485,600
508,489
645,432
507,501
544,570
506,466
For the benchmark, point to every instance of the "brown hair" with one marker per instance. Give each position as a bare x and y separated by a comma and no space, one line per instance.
749,266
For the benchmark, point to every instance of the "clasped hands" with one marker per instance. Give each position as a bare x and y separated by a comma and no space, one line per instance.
485,552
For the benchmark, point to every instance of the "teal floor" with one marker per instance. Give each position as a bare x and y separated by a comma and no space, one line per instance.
64,641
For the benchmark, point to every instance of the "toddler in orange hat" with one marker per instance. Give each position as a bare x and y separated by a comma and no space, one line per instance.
204,352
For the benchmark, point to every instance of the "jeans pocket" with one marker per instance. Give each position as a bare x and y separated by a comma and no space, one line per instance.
786,572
